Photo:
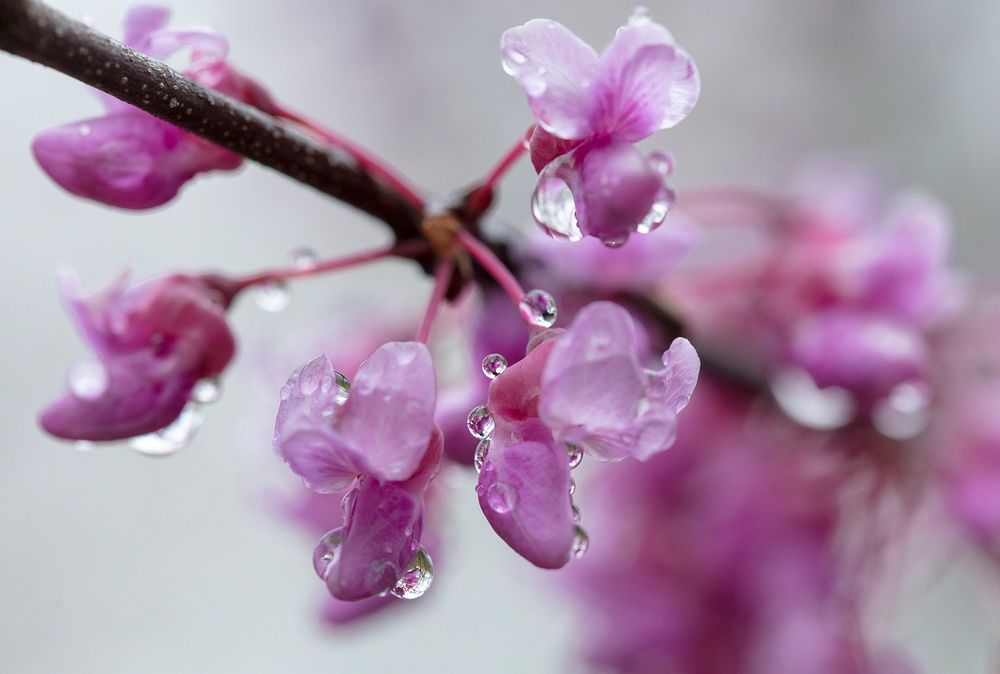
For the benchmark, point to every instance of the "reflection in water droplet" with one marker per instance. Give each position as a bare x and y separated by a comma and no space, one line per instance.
501,497
903,414
658,211
576,514
575,455
206,391
87,380
304,258
580,542
640,16
480,422
347,503
539,308
174,437
494,365
272,296
325,552
482,451
572,486
662,162
552,204
417,578
823,409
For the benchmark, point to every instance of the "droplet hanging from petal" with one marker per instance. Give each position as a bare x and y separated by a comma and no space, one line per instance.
553,206
480,422
272,295
206,391
174,437
325,553
482,451
494,365
575,455
581,542
87,380
539,308
417,578
304,258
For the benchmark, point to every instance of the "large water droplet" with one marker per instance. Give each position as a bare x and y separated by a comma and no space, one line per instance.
272,296
304,257
512,61
482,451
581,541
342,384
417,578
823,409
658,211
575,455
640,16
87,380
539,308
552,204
174,437
206,391
501,497
480,422
326,551
494,365
903,414
347,503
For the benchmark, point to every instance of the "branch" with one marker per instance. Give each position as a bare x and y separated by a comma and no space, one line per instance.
34,31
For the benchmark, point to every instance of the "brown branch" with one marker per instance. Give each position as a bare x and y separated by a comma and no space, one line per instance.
33,30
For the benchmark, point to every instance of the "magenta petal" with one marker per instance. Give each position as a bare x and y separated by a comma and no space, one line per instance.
555,68
93,315
672,387
617,189
524,493
319,455
390,412
545,147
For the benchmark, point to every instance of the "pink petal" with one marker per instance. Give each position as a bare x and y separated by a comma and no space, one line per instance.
545,147
616,191
390,412
524,492
311,392
92,315
142,20
318,454
555,68
645,83
671,388
514,394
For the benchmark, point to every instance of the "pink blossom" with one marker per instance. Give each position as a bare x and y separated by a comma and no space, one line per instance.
153,342
581,389
130,159
378,435
590,110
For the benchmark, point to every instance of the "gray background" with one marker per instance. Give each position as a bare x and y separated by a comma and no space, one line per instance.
113,562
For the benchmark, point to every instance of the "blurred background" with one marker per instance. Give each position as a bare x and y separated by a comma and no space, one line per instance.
115,562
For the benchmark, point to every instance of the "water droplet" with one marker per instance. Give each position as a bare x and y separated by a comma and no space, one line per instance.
823,409
83,446
640,16
482,451
615,243
572,486
285,392
326,551
494,365
903,414
174,103
575,513
304,258
347,503
662,162
417,578
658,211
206,391
174,437
272,295
581,541
539,308
501,497
552,204
88,379
575,455
480,422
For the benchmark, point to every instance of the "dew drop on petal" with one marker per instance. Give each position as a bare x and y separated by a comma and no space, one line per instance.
272,296
658,211
206,391
615,243
640,16
87,380
822,409
482,451
417,578
304,258
494,365
501,497
325,552
174,437
575,455
480,422
347,503
552,204
572,486
662,162
539,308
903,414
575,513
581,541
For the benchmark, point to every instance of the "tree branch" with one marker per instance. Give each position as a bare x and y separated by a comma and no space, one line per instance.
39,33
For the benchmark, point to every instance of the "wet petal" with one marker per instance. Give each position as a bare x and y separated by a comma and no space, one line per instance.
544,147
92,315
671,388
390,412
514,394
555,68
524,493
616,190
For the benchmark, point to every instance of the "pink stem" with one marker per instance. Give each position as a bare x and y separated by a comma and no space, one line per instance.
442,278
404,249
492,265
365,159
480,198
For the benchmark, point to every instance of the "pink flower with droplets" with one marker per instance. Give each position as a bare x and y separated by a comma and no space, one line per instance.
578,391
377,435
130,159
590,110
153,343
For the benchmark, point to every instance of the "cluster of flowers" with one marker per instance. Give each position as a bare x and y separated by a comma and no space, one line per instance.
836,342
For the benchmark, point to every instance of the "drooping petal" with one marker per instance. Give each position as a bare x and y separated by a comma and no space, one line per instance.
555,68
645,82
92,315
616,190
390,412
524,492
318,454
671,387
